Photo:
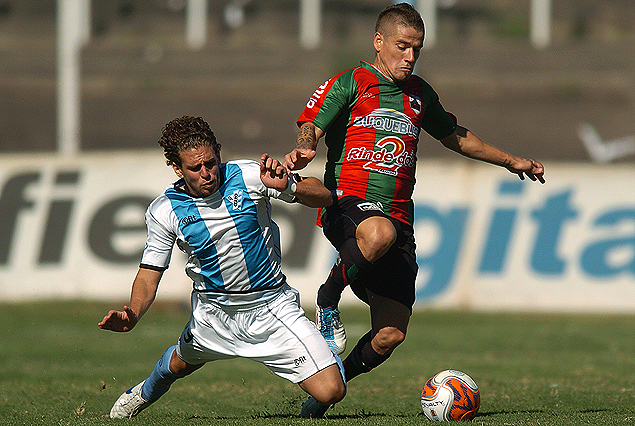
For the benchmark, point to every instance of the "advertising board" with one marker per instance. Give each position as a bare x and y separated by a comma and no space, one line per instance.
74,229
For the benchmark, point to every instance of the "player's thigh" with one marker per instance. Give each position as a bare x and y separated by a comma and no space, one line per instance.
288,343
207,335
393,276
340,221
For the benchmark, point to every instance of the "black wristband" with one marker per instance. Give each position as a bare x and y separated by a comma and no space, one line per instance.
334,196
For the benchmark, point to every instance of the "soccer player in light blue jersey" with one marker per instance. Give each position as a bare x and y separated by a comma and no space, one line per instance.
219,214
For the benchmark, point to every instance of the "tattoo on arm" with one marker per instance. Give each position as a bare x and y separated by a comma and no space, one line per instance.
306,138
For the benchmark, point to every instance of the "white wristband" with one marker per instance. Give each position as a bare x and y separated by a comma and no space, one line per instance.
291,184
291,187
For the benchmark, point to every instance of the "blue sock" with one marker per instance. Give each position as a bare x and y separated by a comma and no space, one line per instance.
161,378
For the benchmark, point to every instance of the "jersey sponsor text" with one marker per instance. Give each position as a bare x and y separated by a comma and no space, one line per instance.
388,120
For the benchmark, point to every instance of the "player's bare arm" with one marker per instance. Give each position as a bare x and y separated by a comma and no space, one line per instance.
468,144
144,289
309,191
308,136
305,147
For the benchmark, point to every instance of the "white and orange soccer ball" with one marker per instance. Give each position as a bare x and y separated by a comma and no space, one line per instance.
450,396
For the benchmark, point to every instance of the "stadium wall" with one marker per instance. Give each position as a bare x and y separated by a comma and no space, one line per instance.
73,228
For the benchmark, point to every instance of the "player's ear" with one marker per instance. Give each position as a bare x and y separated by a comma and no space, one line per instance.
178,171
378,41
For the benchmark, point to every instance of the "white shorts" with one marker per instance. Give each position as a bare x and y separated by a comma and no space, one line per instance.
276,333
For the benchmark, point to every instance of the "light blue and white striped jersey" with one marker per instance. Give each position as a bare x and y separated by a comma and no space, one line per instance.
233,245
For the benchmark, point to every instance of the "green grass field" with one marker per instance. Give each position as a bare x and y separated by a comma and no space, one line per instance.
59,368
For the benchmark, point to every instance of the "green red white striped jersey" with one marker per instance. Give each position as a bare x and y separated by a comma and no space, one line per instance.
372,129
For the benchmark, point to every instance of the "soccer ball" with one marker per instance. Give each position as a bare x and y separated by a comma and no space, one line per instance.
450,396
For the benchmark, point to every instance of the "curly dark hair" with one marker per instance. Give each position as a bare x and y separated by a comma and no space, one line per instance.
185,133
401,14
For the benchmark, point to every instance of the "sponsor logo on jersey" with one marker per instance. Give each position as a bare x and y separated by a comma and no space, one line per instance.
235,200
187,220
388,120
315,97
390,99
367,205
387,157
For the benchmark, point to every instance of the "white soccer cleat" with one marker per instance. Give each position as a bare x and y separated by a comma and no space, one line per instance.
328,322
129,404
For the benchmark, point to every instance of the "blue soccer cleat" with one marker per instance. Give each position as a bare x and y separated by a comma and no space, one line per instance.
328,322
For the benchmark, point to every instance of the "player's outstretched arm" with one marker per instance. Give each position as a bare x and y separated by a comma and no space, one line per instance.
144,289
309,191
468,144
305,147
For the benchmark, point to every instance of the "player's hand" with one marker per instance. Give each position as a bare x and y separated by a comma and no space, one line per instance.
119,320
273,174
530,168
299,158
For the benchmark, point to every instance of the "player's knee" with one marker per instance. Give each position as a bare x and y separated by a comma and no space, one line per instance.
327,386
387,339
375,236
180,367
332,392
339,393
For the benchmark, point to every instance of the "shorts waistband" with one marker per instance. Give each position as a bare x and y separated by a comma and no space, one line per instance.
267,298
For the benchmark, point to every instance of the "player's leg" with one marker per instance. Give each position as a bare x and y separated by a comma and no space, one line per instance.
362,234
371,239
327,315
189,355
375,236
198,344
389,290
166,373
314,385
327,385
390,322
389,325
279,335
167,370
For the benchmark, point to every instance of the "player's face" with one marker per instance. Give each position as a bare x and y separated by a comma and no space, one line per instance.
397,51
200,168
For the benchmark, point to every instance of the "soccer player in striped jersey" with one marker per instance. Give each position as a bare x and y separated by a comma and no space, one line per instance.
371,117
219,214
